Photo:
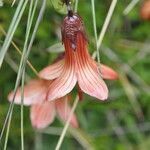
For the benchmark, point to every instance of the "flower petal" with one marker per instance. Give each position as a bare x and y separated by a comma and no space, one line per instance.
52,71
108,73
42,115
63,84
91,83
34,92
88,77
63,110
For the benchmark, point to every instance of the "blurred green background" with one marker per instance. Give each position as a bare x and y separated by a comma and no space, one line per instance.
120,123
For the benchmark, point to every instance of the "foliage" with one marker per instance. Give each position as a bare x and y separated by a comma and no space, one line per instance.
122,122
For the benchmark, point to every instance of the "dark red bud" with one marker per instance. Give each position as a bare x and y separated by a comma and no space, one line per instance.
71,27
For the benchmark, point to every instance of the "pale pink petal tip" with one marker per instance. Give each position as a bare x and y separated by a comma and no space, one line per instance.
62,85
63,110
108,73
101,93
74,123
52,71
34,92
42,115
91,83
99,90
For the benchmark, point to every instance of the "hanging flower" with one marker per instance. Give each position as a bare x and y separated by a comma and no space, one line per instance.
42,112
58,80
77,65
145,10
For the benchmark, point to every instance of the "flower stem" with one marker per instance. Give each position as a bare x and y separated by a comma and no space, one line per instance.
67,124
13,3
76,6
22,110
95,30
130,6
106,23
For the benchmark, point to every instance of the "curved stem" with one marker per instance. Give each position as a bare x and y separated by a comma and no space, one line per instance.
67,124
130,6
106,23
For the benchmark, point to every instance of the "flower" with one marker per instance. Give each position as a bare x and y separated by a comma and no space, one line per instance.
42,112
58,79
145,10
77,65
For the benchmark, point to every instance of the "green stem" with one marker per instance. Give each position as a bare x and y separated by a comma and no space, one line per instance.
67,124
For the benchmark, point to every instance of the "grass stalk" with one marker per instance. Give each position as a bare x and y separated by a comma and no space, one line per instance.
13,3
20,73
22,110
106,23
95,30
15,21
76,6
22,66
131,5
67,124
20,52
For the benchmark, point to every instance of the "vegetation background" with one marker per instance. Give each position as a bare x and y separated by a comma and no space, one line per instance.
120,123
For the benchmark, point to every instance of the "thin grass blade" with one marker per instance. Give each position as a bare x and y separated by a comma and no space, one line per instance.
15,21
